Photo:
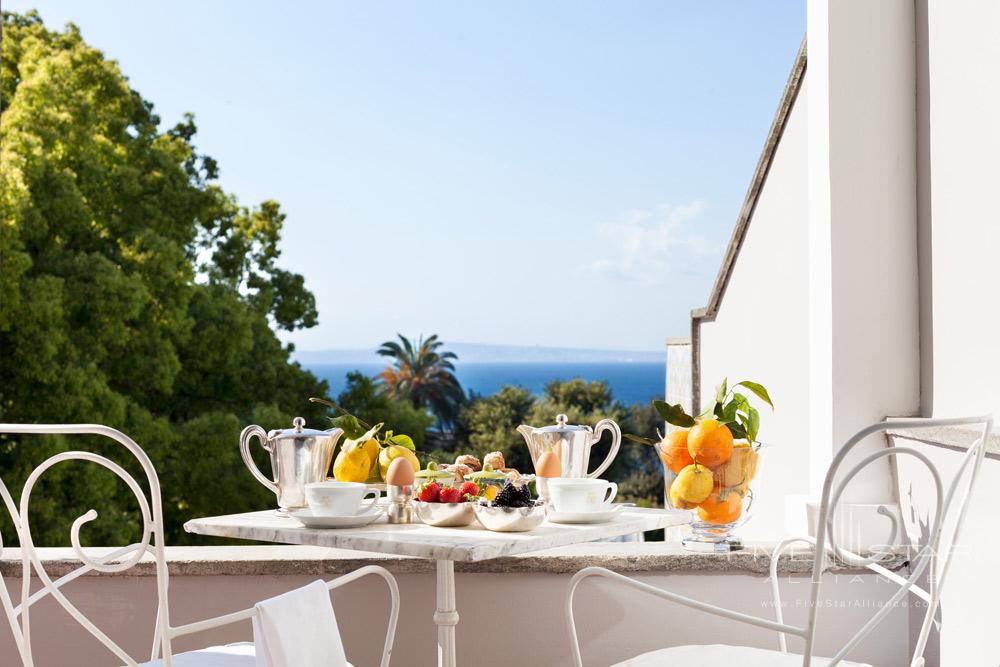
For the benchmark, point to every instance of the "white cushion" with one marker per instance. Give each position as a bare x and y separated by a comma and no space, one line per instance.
231,655
720,654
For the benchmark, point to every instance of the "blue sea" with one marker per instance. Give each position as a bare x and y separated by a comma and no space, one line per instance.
631,382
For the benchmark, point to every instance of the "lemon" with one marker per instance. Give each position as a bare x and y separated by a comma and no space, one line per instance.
676,501
371,448
391,452
351,465
694,483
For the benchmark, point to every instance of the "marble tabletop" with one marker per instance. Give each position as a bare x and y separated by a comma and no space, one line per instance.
466,544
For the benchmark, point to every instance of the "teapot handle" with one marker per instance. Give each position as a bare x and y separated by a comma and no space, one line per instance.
616,441
250,432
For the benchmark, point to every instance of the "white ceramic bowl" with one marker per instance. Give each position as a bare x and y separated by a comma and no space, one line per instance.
511,519
444,515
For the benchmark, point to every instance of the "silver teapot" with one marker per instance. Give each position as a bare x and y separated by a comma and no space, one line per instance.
299,456
571,444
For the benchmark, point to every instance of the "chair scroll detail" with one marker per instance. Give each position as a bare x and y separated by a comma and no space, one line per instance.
120,560
151,540
927,557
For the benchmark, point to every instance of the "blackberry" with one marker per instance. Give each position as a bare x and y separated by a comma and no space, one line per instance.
512,495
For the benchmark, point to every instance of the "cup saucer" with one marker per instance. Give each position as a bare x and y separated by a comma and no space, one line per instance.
362,518
602,515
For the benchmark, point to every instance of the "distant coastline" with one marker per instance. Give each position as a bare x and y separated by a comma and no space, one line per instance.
630,382
478,353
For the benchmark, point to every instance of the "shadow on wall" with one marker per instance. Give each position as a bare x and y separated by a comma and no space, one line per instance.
925,236
921,534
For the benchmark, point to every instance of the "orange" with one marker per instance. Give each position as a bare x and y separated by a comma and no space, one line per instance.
710,443
721,507
673,450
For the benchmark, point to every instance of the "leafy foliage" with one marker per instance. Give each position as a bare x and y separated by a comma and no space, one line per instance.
488,424
134,292
423,375
730,407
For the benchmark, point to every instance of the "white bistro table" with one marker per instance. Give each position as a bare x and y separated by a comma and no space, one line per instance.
444,545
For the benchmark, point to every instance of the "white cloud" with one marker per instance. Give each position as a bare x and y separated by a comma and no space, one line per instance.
648,245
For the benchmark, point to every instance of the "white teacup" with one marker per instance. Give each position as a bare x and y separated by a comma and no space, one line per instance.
581,494
339,498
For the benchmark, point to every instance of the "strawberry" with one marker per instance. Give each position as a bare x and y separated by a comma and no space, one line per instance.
450,494
429,493
469,489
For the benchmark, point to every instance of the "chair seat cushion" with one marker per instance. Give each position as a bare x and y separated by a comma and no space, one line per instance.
240,654
719,654
231,655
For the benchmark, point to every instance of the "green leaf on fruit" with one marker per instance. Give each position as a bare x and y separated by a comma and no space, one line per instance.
721,390
753,424
638,438
757,389
673,414
352,428
739,433
401,440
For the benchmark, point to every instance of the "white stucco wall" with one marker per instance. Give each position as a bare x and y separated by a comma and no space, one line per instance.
958,138
864,343
959,105
506,619
761,329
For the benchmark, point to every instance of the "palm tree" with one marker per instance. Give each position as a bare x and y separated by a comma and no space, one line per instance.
424,376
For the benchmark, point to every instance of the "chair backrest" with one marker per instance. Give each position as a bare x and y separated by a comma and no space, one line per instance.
151,541
951,504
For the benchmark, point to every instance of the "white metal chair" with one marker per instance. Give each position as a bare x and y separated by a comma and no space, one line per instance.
926,559
19,617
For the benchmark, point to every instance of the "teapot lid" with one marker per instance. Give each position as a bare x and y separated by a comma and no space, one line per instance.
561,426
298,430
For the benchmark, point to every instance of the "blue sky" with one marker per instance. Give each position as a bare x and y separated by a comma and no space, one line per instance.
539,173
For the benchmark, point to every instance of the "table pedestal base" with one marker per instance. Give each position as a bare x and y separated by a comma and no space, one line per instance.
446,615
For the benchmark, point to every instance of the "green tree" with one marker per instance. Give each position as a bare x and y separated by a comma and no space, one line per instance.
489,423
424,375
637,468
134,292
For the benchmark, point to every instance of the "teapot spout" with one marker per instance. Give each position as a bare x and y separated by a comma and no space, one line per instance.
526,433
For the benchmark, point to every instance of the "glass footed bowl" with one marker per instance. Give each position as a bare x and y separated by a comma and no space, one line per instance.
727,507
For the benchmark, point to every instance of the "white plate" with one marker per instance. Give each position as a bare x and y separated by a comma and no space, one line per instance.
309,520
601,516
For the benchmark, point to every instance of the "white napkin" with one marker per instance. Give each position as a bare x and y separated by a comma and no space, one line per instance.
298,628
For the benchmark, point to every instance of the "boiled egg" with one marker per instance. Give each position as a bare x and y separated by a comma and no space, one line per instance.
400,472
548,465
